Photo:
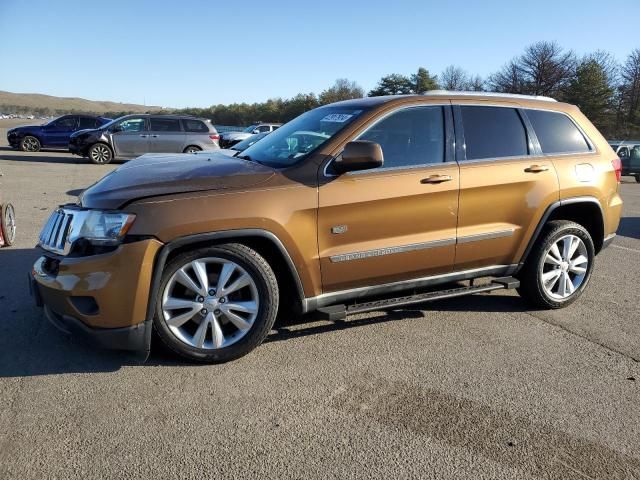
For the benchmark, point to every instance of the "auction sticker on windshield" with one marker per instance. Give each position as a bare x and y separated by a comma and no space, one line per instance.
337,117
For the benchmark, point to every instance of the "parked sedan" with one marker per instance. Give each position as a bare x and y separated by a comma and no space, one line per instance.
229,139
55,134
135,135
243,145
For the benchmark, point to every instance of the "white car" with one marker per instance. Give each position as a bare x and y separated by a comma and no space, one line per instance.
229,139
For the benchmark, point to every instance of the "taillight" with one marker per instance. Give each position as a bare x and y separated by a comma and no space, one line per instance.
214,137
617,167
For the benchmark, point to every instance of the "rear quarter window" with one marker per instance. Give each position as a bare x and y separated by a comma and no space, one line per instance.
195,126
557,133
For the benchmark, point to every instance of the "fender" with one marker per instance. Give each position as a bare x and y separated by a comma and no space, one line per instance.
550,209
162,256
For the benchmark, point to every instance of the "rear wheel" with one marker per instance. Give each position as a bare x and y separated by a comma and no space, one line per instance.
192,149
30,144
559,267
638,177
100,154
216,304
8,224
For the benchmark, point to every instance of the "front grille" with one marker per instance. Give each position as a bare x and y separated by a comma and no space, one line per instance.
54,235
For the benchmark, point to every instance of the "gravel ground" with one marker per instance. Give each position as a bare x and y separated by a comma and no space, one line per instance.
479,387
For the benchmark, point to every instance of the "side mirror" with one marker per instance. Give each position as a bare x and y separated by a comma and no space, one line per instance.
256,131
359,155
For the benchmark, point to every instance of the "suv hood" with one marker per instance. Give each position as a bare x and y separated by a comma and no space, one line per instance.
164,174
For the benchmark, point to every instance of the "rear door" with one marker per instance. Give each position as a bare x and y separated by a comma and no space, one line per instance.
397,222
131,137
166,135
504,183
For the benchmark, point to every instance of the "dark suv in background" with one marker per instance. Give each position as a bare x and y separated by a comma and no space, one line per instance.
55,134
134,135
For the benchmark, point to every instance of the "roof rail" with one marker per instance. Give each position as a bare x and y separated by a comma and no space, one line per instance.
488,94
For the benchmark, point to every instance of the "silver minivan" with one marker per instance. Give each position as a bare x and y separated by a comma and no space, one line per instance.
134,135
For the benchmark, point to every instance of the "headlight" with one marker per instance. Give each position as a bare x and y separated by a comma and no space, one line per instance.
103,228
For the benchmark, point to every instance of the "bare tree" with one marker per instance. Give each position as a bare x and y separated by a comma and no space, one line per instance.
543,69
454,78
476,84
342,89
630,87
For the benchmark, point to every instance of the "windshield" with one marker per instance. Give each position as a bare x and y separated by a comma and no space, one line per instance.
301,136
246,143
109,124
250,128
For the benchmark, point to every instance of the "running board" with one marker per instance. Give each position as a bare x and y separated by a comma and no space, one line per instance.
339,312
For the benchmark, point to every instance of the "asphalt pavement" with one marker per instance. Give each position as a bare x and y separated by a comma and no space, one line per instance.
478,387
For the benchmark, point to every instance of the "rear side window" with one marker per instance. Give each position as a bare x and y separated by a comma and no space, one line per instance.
165,125
88,122
410,137
194,126
493,132
557,133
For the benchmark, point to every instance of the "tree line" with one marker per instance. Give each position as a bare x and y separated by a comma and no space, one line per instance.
607,91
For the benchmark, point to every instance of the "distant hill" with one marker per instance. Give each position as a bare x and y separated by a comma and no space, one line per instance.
38,103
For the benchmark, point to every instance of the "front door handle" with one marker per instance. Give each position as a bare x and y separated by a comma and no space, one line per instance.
144,136
437,179
536,169
154,136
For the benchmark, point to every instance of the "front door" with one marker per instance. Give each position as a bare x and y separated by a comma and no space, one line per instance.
130,137
397,222
57,133
166,135
504,182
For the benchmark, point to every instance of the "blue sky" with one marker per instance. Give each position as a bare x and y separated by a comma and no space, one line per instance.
197,53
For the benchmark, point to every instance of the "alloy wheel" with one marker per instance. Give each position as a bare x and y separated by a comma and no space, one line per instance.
31,144
10,223
210,303
565,267
100,154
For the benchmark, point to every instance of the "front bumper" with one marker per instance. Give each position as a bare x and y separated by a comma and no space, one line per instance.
102,298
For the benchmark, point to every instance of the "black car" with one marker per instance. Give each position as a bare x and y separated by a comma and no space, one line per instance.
54,134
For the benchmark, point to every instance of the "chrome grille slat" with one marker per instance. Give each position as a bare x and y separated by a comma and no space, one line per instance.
55,234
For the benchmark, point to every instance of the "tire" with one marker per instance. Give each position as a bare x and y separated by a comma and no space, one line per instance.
637,177
30,144
235,321
192,149
100,153
8,224
544,261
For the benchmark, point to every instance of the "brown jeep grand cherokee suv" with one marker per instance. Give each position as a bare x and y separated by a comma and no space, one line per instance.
361,205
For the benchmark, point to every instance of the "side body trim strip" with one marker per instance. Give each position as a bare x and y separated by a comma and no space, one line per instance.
390,250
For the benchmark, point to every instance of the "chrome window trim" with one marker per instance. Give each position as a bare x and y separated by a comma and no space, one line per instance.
367,127
378,252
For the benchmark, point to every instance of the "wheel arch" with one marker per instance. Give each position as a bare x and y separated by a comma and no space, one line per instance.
264,242
586,211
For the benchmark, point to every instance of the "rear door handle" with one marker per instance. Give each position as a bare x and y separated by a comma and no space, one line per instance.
437,179
144,136
536,169
154,136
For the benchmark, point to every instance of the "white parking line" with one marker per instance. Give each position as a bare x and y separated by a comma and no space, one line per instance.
626,248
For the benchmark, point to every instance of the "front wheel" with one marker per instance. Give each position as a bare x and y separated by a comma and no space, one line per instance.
192,149
216,304
30,144
638,177
559,267
100,154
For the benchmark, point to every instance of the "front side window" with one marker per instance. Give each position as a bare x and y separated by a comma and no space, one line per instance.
493,132
410,137
301,136
165,125
132,125
264,128
66,123
557,133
